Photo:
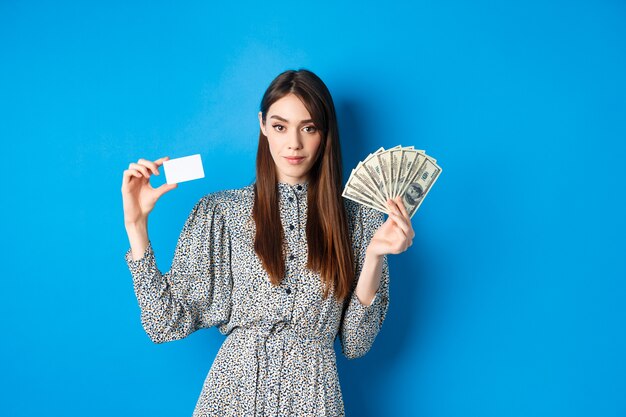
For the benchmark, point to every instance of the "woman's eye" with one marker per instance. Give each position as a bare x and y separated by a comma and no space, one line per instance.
312,129
277,127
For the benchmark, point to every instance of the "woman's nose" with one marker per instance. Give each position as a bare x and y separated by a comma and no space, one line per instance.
295,142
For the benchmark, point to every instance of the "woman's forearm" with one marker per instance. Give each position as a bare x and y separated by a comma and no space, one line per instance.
138,238
369,280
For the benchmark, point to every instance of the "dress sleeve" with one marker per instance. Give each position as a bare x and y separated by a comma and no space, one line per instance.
195,292
360,323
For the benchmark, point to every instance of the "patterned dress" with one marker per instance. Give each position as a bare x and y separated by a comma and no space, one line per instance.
278,357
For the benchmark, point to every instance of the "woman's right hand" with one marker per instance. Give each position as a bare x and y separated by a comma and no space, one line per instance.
138,196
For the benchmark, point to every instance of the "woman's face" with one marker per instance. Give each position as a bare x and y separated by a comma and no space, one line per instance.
293,138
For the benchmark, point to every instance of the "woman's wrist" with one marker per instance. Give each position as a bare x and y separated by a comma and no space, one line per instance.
371,252
137,225
138,238
137,231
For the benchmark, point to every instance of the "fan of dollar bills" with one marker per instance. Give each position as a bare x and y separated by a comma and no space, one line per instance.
399,171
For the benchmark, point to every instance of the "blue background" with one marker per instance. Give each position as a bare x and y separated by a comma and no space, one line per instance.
510,301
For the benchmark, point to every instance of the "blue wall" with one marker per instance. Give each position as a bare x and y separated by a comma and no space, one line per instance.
510,301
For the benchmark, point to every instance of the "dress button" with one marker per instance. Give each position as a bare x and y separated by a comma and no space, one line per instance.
291,226
291,257
288,290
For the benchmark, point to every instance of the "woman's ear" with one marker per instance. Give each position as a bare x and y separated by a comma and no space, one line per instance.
261,125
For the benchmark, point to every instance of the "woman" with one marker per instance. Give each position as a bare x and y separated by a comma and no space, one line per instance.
281,266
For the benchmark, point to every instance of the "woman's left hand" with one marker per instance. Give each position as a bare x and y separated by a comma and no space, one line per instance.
396,234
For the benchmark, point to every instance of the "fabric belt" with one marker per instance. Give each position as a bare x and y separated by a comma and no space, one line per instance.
269,360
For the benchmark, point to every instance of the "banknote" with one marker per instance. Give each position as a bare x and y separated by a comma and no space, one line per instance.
394,167
364,178
411,162
353,195
386,174
364,191
406,157
419,186
372,168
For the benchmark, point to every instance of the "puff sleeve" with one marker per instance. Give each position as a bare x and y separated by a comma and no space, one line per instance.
360,323
195,292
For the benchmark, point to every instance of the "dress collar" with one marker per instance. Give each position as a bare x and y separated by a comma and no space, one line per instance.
299,189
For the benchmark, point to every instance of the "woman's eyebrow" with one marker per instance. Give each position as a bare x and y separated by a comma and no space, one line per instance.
275,116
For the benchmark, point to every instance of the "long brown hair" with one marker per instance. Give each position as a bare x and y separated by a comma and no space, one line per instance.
328,242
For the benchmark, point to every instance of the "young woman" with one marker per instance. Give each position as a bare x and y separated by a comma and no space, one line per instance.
281,266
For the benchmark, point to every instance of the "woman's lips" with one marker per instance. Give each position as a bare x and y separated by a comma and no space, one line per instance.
294,160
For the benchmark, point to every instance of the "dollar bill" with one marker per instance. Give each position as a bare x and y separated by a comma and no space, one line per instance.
419,186
385,174
383,163
367,181
366,200
394,166
363,190
373,170
413,158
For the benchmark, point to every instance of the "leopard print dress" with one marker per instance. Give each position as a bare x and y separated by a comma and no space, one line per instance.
278,357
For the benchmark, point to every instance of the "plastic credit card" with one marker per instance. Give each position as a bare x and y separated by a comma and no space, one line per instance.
183,169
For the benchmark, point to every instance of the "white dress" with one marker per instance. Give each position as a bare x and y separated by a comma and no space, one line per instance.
278,357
